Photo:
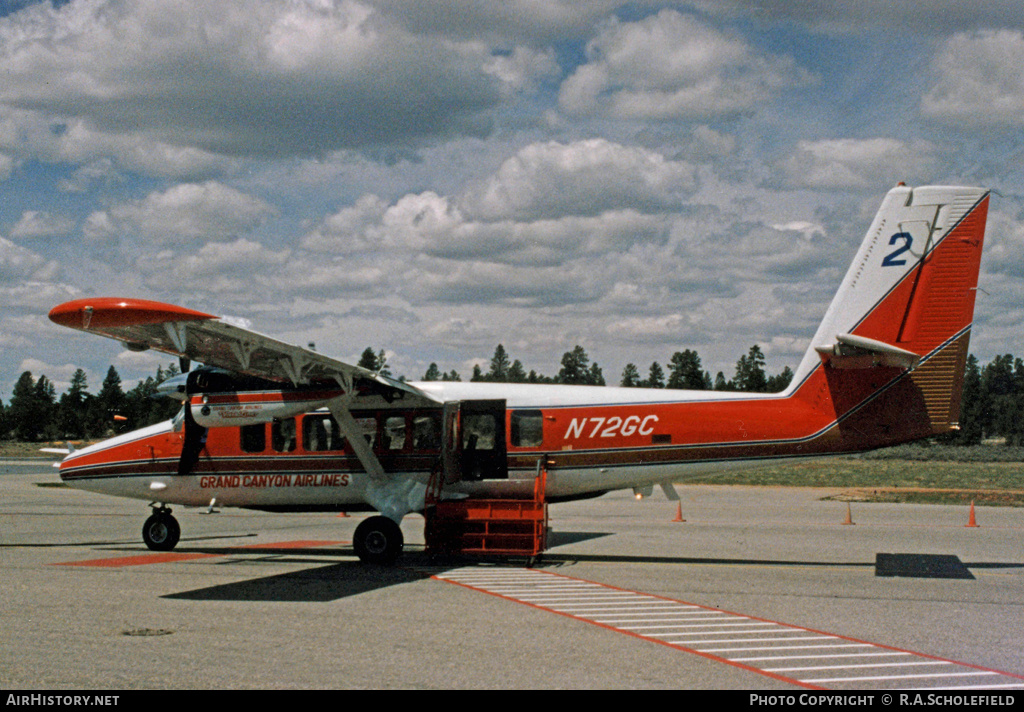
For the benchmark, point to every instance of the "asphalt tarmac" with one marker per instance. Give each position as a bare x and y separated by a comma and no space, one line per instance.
266,601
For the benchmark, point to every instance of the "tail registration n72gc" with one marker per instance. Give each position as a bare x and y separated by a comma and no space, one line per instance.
272,426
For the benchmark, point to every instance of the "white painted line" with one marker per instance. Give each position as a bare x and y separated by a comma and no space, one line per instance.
898,677
664,626
780,631
852,667
793,647
814,657
1009,686
600,608
656,621
762,640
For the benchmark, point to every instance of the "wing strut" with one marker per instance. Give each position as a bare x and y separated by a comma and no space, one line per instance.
350,429
393,496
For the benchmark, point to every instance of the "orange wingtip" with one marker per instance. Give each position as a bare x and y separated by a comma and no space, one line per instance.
105,312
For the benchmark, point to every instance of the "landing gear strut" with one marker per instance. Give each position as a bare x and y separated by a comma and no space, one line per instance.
161,531
378,540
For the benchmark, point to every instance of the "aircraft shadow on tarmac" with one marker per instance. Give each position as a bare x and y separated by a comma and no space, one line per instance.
342,579
316,585
334,581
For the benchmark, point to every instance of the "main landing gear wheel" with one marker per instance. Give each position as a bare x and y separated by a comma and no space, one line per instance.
161,531
378,540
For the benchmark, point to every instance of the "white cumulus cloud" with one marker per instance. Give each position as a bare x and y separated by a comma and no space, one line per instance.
674,66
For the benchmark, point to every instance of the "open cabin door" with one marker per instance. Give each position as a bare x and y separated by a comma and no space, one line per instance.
474,441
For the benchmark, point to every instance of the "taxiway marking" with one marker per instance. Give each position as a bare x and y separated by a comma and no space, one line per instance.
801,656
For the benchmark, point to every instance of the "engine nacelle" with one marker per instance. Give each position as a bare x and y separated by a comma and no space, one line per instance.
233,409
218,398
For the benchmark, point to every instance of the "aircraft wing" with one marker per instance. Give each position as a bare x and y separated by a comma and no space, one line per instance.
140,324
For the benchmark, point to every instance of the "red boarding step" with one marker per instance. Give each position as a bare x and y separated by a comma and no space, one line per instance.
489,527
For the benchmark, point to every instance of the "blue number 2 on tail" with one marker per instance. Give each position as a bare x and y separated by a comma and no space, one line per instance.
890,259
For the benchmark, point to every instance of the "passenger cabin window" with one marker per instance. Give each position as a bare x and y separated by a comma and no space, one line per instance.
368,427
253,437
527,428
394,433
320,433
282,435
426,432
478,432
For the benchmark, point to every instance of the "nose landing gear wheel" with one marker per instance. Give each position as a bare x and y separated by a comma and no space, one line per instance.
161,531
378,540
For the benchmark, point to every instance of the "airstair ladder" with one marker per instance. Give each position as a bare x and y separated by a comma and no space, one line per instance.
487,527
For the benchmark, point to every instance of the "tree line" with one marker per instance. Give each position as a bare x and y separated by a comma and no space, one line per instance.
992,407
35,413
684,371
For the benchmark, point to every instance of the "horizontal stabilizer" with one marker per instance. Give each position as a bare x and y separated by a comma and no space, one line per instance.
852,351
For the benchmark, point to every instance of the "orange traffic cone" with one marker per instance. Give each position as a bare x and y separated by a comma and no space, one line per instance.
849,515
679,513
971,521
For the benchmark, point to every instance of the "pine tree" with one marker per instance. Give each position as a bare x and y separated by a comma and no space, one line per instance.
721,384
26,413
1015,416
46,400
750,375
655,376
109,402
73,407
630,377
433,373
779,383
997,383
5,424
516,372
499,366
973,404
685,372
574,367
577,369
374,361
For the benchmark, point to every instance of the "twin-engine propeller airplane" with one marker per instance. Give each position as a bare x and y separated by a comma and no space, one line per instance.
271,426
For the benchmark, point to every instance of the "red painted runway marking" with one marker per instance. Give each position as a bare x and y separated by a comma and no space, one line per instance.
171,557
801,656
161,558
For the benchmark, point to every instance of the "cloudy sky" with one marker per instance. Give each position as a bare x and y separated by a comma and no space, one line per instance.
434,178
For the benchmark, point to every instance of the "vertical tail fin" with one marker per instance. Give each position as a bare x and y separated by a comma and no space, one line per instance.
893,343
